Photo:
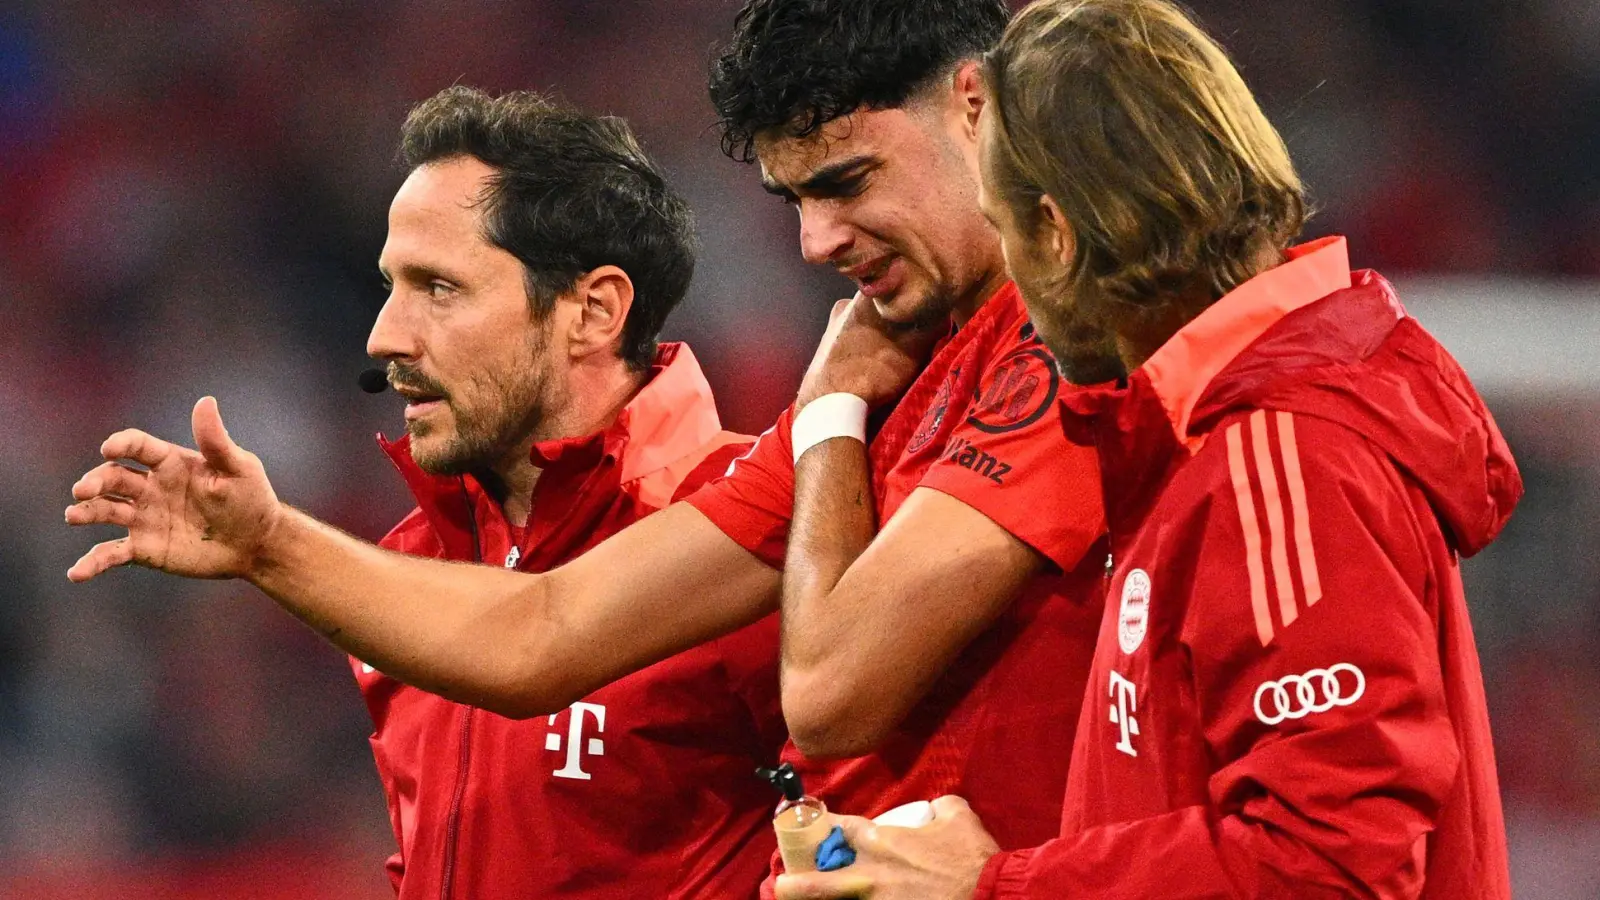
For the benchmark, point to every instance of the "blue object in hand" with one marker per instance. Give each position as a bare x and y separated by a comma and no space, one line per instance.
834,852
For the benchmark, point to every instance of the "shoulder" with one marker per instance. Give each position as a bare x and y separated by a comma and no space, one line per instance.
1019,381
715,464
1274,450
687,472
1281,483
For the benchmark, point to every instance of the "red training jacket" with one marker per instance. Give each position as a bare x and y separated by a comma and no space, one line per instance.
978,424
1286,700
646,787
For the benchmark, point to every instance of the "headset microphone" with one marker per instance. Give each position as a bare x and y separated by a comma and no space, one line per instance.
373,381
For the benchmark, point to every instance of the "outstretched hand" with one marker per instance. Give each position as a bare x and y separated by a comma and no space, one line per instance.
201,513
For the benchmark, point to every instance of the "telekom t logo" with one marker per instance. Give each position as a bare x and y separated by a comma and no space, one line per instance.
1125,702
575,745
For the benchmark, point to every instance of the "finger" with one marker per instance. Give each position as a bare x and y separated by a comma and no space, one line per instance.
863,309
858,832
131,443
110,478
840,307
102,556
212,440
841,885
950,806
101,511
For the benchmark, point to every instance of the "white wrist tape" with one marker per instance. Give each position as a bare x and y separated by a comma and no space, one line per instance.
827,417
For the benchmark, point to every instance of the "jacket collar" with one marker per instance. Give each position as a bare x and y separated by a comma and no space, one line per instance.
669,418
1183,368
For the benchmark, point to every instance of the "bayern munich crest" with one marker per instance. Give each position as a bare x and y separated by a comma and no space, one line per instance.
1133,618
933,419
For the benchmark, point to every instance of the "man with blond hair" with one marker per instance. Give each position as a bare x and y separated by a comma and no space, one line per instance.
1286,700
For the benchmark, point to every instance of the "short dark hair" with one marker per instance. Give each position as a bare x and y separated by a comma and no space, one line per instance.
799,64
572,192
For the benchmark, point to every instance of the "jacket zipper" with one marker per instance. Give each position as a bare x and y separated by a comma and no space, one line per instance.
453,822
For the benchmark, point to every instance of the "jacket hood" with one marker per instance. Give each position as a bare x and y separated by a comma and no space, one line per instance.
1355,358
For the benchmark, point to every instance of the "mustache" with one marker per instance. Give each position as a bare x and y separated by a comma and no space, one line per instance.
412,378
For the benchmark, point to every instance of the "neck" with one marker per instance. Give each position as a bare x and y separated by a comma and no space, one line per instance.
596,393
968,304
1138,342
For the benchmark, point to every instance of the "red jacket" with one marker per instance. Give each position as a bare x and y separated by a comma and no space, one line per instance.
1286,700
646,787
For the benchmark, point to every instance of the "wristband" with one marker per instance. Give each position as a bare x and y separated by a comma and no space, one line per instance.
827,417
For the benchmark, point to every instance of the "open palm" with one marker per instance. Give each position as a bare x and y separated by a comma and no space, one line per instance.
198,513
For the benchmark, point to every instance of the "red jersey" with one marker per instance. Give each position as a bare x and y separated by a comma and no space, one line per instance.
643,789
980,425
1286,699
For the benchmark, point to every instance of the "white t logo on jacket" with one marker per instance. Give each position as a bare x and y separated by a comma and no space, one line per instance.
575,741
1126,703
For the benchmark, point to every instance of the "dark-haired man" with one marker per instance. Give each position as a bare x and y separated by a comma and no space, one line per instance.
533,254
914,651
1286,700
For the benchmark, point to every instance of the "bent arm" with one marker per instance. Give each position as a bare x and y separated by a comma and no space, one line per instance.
870,623
517,644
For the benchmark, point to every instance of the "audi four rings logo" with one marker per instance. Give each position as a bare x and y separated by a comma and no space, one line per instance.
1319,690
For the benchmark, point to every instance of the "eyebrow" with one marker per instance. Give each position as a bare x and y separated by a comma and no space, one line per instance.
418,274
825,181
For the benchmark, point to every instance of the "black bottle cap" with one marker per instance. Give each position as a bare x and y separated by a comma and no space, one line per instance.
786,780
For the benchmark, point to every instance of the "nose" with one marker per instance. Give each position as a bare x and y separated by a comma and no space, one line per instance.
824,233
392,338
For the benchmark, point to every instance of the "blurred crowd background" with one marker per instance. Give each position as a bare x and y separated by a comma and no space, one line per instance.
192,200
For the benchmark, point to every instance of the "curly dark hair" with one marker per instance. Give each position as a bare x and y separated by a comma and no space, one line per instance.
572,192
799,64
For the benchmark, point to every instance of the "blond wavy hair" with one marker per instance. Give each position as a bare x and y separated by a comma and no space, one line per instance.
1173,183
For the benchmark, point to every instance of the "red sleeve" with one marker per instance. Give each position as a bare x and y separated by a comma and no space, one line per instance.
754,499
714,465
1332,801
1009,460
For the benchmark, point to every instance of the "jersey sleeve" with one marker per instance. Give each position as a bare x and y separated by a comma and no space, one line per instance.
1316,681
714,465
753,501
1009,459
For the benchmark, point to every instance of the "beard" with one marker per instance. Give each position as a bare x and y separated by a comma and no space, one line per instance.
1085,351
494,413
932,313
1084,354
